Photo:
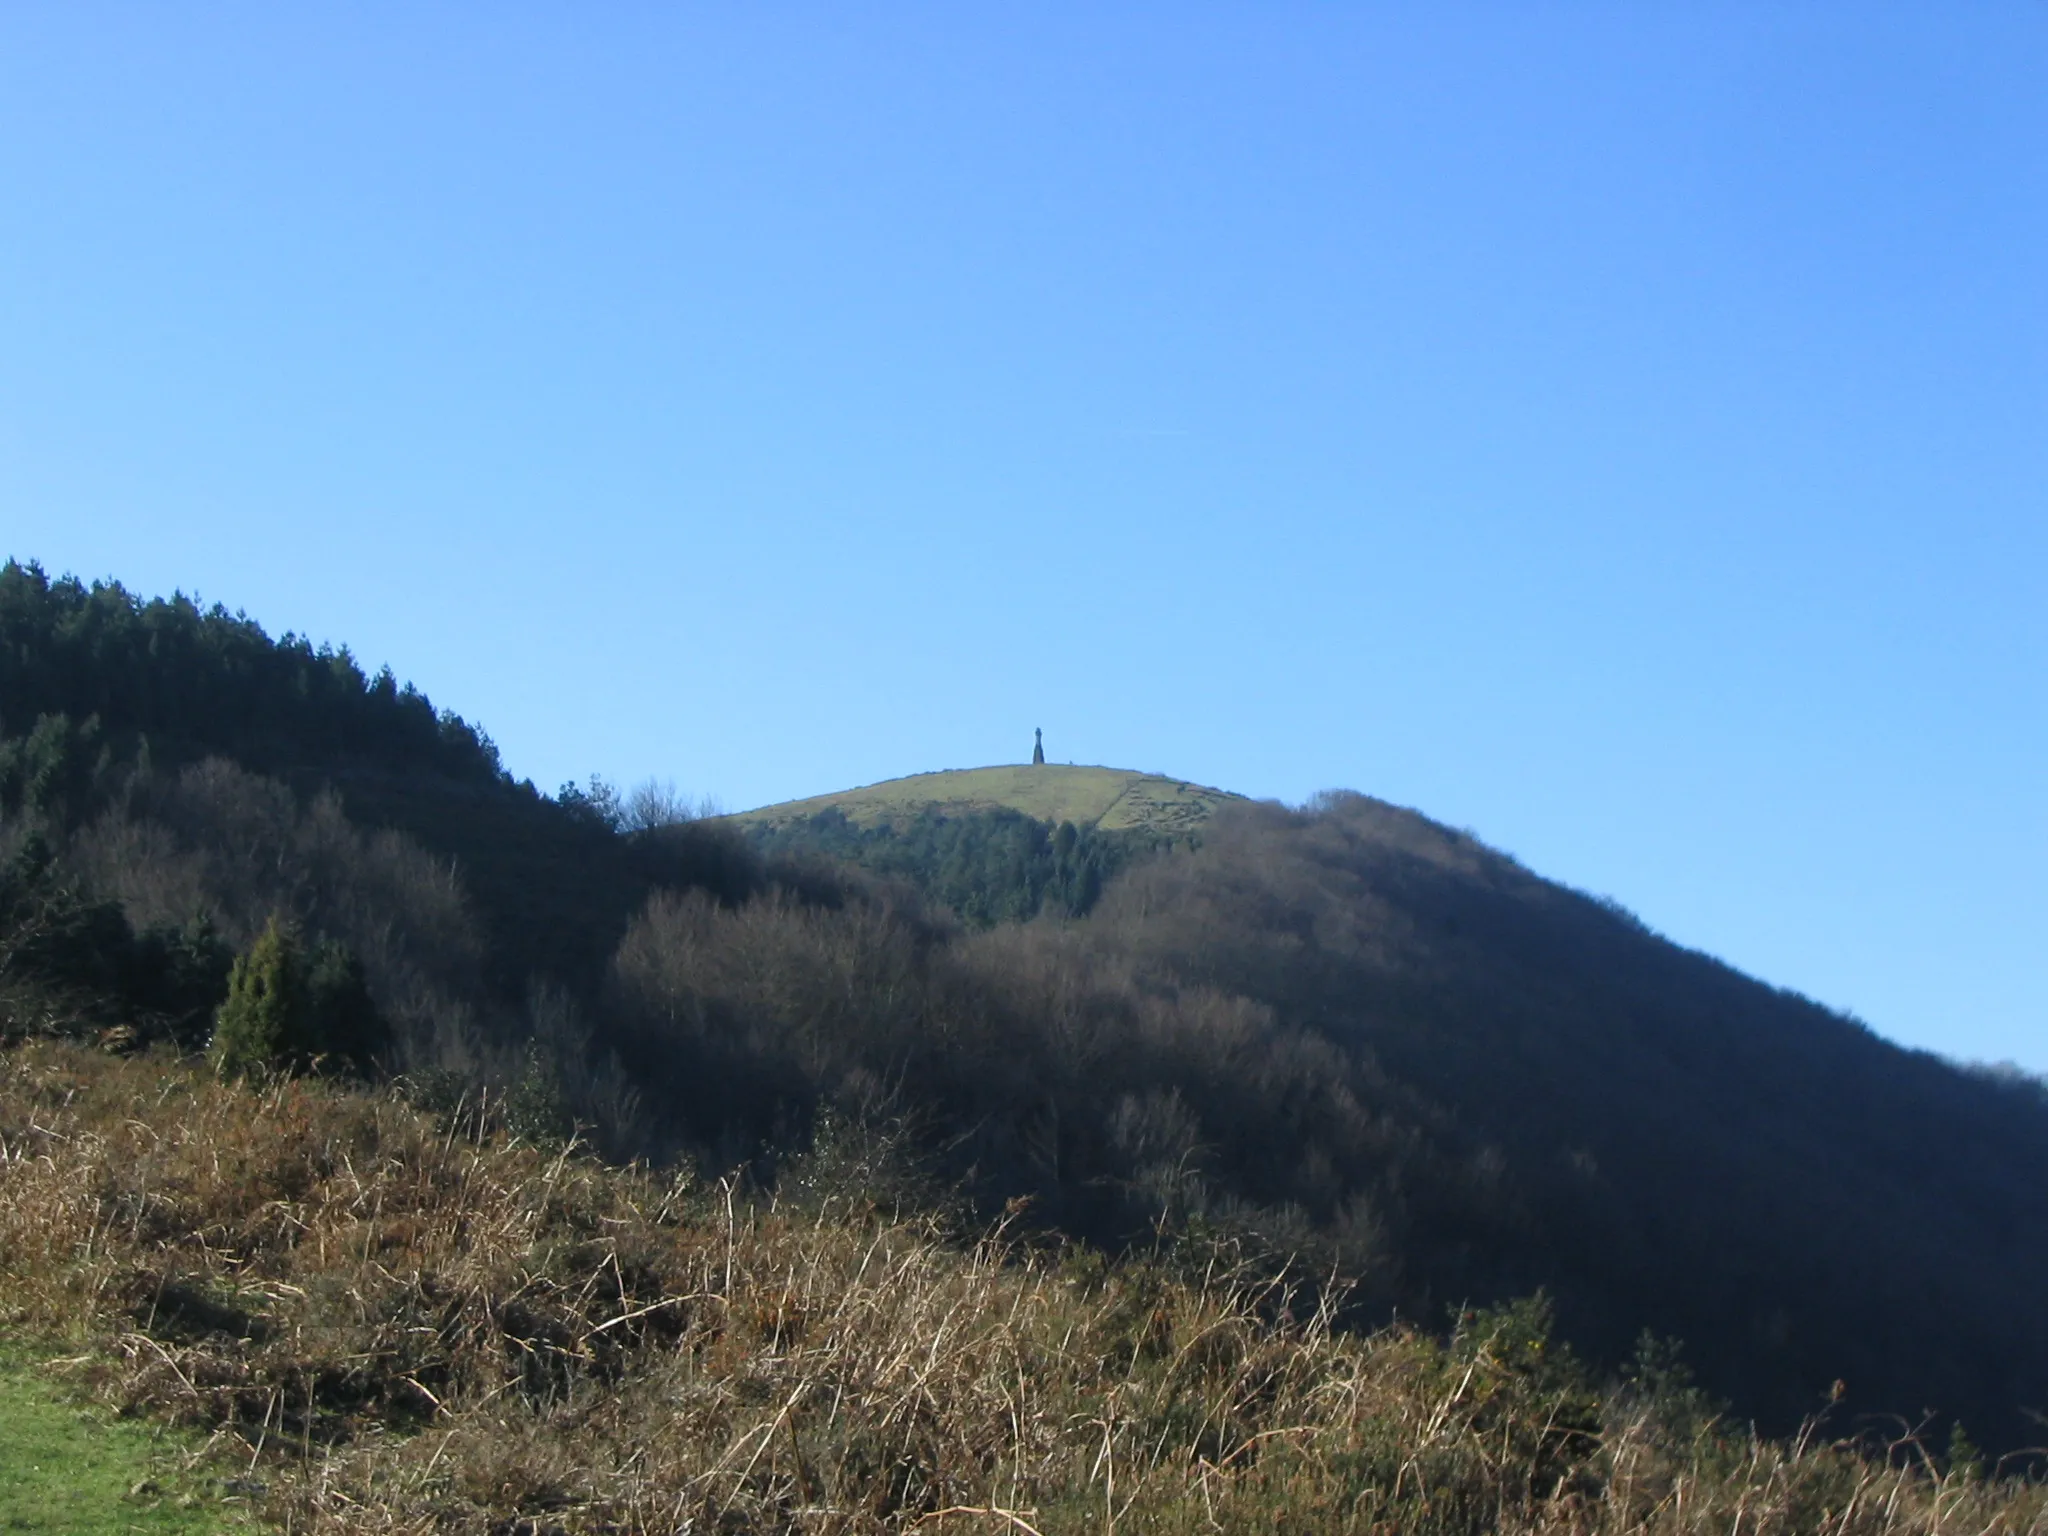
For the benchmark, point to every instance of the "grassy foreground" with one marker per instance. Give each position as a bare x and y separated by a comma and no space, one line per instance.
63,1471
390,1325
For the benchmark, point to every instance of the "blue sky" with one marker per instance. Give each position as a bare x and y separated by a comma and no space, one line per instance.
1617,429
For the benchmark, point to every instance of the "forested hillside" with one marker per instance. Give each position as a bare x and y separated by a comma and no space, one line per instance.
107,701
985,866
1340,1041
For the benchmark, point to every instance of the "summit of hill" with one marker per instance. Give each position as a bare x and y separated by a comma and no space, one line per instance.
1093,799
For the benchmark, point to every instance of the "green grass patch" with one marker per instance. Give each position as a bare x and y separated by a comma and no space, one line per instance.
1111,799
68,1469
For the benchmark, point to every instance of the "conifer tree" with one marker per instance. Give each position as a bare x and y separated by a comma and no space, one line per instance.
261,1026
290,1010
344,1030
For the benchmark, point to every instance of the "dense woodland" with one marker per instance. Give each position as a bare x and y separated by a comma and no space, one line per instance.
985,866
1340,1037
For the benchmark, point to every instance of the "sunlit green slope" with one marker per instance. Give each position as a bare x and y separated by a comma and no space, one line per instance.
1107,799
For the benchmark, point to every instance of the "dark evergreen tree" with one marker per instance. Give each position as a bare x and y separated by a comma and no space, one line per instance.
988,866
194,681
52,773
177,977
262,1027
291,1010
345,1030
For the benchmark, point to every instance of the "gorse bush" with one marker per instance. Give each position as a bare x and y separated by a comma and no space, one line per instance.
536,1108
291,1011
263,1025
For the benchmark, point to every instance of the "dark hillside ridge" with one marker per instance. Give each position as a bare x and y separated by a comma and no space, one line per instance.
192,681
1341,1039
94,680
1677,1145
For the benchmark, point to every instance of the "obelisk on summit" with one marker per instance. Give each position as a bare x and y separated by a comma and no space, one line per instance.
1038,747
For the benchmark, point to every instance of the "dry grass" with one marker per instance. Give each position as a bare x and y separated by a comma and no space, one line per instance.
389,1326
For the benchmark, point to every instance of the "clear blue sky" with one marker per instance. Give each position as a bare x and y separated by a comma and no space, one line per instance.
1618,429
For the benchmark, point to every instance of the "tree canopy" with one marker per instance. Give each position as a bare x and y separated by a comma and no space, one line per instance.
190,680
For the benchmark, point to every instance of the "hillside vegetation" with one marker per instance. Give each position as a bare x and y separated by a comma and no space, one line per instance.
1093,799
983,864
992,845
393,1324
1341,1043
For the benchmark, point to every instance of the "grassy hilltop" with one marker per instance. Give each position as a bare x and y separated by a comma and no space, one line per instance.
993,845
1097,799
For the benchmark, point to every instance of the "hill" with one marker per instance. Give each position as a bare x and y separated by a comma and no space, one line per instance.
1340,1039
1093,799
992,845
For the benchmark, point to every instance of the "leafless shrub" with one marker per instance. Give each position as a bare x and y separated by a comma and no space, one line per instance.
658,803
775,980
233,847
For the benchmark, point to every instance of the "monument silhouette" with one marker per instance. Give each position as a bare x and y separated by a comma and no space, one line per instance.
1038,747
